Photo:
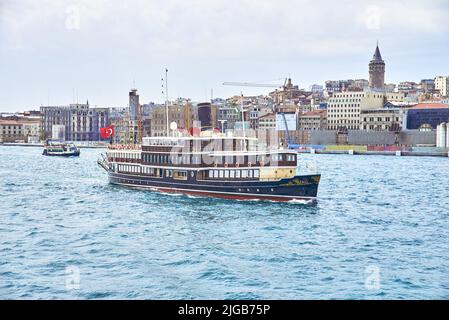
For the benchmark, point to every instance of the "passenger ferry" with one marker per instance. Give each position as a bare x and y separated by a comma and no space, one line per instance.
59,148
217,166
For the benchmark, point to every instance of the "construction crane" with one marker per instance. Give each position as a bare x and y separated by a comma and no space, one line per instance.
290,142
249,84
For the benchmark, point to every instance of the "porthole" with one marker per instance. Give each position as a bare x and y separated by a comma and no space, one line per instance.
272,189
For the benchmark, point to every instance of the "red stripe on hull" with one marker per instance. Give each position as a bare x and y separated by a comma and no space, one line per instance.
233,196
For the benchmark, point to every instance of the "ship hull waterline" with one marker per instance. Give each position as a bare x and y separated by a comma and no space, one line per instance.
249,191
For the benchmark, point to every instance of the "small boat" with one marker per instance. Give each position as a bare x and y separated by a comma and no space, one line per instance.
59,148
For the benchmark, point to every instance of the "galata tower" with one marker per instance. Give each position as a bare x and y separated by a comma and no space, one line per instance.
377,71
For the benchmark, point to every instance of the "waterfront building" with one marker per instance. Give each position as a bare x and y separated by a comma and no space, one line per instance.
117,112
335,86
359,85
442,85
31,129
24,126
390,87
11,131
427,85
377,71
385,119
267,121
395,97
82,123
313,120
427,114
343,110
316,88
185,115
408,87
229,114
286,121
256,113
290,93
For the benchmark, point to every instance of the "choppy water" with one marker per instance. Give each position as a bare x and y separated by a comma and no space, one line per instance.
385,216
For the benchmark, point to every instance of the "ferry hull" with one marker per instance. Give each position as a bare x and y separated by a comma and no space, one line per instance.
67,154
297,188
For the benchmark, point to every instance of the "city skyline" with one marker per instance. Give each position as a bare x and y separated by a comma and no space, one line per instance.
56,51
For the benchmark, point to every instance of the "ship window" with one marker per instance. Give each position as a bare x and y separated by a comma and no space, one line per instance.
226,174
244,173
256,173
237,174
232,174
250,173
221,173
215,173
180,175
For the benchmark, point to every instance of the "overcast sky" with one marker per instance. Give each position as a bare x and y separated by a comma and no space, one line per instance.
54,50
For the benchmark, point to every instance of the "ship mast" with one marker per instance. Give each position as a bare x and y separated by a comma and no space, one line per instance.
243,123
166,99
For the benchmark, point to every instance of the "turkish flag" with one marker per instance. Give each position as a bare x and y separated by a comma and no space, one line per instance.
195,131
107,132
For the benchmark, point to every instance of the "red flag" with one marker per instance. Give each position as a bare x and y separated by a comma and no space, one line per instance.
195,131
107,132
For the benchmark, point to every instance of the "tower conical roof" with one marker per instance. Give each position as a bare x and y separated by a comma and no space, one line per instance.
377,56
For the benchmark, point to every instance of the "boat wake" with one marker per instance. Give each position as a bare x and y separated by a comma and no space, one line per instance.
301,201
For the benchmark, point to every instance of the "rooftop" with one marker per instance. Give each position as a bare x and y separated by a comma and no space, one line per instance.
314,113
430,106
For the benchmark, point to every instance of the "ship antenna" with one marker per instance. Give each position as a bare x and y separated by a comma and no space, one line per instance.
243,124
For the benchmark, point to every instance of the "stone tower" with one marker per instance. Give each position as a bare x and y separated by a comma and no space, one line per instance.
377,71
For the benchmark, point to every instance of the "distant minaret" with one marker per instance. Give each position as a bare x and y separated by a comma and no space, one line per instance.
377,71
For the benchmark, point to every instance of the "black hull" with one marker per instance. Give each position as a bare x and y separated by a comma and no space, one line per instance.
297,188
73,154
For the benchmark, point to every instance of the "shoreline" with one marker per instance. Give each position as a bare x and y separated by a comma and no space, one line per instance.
443,154
41,145
379,153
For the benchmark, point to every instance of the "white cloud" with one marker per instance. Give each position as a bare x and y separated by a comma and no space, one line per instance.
223,28
210,40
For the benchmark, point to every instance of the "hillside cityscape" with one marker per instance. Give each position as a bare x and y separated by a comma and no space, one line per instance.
339,112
